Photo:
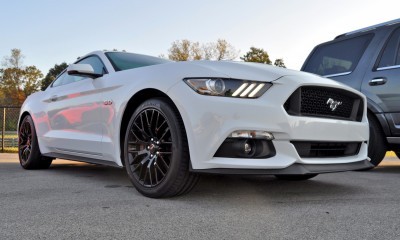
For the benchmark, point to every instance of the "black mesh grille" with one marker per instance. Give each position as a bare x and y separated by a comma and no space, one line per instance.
325,102
326,149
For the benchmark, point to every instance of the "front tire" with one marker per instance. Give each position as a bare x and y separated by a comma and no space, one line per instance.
376,146
156,152
28,147
295,177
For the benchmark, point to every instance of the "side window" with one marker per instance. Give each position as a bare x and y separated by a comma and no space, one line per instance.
391,53
65,79
59,80
95,62
338,57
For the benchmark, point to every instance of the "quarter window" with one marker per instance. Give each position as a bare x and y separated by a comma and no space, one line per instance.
391,53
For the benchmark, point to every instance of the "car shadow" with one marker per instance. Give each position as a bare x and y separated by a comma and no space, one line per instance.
232,187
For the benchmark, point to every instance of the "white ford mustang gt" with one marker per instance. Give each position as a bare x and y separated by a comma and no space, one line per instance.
166,122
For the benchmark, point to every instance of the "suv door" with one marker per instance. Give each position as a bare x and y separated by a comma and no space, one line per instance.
382,84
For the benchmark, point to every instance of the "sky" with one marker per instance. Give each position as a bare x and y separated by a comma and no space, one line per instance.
50,32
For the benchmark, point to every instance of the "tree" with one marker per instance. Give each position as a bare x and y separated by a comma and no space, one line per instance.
180,50
15,60
258,55
186,50
16,81
224,50
279,62
52,74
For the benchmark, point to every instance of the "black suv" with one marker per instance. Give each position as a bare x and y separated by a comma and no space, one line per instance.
369,61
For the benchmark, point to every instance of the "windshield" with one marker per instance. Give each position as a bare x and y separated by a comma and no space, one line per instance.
123,60
338,57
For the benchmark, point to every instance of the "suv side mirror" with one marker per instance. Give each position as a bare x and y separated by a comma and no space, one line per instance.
83,70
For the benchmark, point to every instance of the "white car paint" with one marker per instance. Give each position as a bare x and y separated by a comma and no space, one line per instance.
208,119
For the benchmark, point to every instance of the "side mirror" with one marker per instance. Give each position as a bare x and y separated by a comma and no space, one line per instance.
83,70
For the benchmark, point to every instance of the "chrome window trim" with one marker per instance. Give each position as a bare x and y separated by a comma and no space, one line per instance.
387,68
337,74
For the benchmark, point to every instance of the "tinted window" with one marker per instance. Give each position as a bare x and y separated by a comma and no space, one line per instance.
391,54
65,79
337,57
123,61
95,62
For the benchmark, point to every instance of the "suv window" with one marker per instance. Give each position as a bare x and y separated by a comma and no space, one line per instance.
391,53
338,57
94,61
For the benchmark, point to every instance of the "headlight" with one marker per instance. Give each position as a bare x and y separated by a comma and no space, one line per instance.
228,87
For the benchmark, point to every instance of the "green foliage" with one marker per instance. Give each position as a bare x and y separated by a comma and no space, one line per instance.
279,63
52,74
258,55
16,81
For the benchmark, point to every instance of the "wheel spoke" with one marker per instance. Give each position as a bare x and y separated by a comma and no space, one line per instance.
141,141
163,162
160,170
165,132
142,131
148,124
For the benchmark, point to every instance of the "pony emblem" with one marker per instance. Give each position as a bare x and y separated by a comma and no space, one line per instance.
333,104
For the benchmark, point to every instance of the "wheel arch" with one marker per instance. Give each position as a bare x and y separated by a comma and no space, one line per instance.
23,115
133,103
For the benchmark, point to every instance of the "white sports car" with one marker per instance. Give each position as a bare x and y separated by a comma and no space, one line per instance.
166,122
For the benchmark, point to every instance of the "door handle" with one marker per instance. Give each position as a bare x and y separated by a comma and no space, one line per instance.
377,81
53,98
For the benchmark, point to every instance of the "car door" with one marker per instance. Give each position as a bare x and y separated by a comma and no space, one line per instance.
74,109
382,84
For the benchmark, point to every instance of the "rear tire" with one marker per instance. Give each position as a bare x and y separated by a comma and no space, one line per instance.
377,142
156,152
28,147
295,177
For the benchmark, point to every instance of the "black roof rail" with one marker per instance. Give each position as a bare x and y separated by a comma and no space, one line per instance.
370,28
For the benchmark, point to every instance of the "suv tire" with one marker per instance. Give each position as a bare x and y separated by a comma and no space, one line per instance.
377,141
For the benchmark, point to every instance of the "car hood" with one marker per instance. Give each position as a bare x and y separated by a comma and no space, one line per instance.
247,70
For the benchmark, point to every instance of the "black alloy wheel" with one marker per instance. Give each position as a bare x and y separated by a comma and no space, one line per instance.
25,141
28,147
156,151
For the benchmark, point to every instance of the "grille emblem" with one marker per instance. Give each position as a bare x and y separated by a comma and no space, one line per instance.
333,104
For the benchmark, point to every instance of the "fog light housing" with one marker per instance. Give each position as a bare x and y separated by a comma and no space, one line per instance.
246,148
253,134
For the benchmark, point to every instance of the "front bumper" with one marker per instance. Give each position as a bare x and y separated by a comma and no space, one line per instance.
210,120
295,169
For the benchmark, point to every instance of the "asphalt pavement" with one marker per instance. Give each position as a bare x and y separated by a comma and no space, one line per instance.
84,201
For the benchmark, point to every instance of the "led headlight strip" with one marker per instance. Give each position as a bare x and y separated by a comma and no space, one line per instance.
228,87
